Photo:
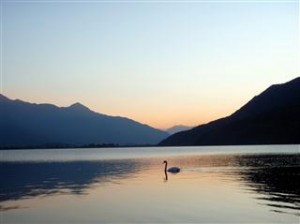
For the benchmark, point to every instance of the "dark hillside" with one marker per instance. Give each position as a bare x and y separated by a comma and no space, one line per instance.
273,117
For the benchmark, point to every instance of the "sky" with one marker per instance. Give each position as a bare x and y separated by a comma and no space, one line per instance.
157,62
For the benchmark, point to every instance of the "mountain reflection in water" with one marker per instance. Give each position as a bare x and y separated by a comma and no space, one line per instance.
275,178
25,180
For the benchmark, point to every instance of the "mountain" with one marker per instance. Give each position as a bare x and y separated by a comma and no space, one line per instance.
29,124
273,117
177,128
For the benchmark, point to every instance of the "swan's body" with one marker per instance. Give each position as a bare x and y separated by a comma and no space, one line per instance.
172,169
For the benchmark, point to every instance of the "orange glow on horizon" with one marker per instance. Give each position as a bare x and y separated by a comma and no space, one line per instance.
188,115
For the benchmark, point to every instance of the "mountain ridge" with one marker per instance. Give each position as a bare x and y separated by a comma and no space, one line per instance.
24,123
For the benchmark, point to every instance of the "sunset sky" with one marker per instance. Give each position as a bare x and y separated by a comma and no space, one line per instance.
158,62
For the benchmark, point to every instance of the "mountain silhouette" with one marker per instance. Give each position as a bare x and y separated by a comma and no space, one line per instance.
29,124
273,117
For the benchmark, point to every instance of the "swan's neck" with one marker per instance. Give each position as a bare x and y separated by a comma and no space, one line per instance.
166,164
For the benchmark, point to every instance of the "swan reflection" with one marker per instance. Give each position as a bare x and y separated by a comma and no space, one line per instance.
166,177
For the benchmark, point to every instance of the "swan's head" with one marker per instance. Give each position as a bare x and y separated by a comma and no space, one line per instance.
165,161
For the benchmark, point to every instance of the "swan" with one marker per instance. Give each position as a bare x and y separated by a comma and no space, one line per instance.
172,169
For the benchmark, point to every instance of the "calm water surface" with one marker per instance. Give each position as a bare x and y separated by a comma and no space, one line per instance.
232,184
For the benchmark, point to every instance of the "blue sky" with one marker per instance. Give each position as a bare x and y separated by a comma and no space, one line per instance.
160,63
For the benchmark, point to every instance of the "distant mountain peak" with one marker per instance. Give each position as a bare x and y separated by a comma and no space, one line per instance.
79,107
177,128
2,97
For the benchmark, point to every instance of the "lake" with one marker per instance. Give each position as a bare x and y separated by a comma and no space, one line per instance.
220,184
